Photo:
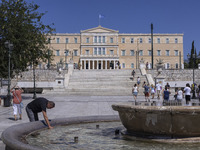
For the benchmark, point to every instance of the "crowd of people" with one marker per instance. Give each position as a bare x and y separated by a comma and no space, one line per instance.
165,92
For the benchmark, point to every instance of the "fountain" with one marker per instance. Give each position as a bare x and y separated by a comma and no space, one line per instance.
146,127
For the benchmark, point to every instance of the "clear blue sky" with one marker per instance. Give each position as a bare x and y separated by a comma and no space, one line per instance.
127,16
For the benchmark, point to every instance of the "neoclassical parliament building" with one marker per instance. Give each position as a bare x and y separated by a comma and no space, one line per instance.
103,48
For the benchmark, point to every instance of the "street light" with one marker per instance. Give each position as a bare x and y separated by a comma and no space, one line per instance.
34,90
8,45
193,58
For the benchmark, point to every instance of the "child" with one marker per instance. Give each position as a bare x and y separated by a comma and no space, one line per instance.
152,91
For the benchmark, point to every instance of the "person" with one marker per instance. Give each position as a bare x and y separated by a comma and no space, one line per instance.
133,74
17,99
138,81
198,92
135,92
152,91
166,94
39,105
187,91
158,89
167,85
147,66
146,92
179,95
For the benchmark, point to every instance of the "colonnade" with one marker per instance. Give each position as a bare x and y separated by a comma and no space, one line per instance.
99,64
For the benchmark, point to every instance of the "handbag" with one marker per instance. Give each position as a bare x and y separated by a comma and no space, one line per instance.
21,104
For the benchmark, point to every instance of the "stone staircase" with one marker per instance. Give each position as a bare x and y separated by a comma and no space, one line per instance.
103,82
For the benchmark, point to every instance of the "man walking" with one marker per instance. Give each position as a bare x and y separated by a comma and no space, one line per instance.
39,105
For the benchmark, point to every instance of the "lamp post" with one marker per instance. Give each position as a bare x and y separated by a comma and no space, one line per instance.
34,90
8,45
193,62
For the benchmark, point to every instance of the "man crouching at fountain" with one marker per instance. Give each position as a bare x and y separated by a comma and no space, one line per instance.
39,105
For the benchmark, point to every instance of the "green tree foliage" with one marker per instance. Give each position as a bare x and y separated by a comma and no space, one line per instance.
21,24
193,58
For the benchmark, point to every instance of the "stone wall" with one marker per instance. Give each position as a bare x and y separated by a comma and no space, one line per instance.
182,75
40,75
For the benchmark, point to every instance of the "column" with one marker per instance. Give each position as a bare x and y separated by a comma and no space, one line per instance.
93,64
101,64
109,64
114,64
81,64
85,64
97,64
89,64
106,64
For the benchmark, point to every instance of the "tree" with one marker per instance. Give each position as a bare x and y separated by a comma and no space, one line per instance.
21,24
190,63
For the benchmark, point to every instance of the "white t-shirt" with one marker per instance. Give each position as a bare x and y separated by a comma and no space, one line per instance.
135,89
187,90
180,95
158,87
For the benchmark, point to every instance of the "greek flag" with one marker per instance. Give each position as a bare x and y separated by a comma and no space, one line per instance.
101,16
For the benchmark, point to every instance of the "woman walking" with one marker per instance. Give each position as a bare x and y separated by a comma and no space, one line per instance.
135,92
152,91
17,99
187,91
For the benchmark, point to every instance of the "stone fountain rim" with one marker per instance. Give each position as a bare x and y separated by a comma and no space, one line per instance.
129,107
13,136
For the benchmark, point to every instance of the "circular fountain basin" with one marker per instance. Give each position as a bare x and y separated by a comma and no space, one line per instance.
170,121
14,136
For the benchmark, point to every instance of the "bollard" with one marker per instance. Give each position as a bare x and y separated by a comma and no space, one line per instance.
97,126
76,139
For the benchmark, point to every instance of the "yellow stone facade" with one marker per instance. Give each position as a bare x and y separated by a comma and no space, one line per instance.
103,48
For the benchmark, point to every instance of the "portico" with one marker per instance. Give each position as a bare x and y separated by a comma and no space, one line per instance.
99,63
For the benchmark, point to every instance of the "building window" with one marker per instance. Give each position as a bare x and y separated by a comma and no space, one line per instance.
95,39
176,40
149,40
87,52
99,51
132,40
49,40
141,53
158,52
149,52
58,40
66,40
176,65
87,40
66,52
123,65
176,52
167,52
104,51
104,39
132,53
111,52
111,40
75,40
99,39
158,40
140,40
123,52
167,40
123,40
95,51
57,52
132,65
75,52
167,66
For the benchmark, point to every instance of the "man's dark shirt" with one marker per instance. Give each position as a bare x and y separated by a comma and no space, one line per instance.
38,105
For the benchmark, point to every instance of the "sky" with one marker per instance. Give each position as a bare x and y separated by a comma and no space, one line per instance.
126,16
